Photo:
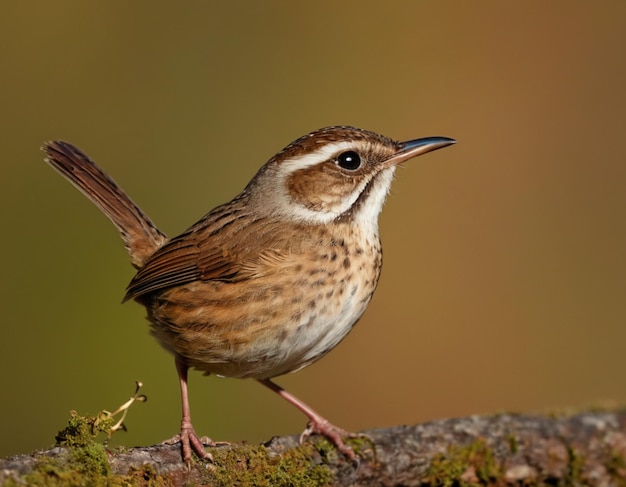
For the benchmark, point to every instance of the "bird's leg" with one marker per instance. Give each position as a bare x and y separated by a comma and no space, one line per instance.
188,438
317,424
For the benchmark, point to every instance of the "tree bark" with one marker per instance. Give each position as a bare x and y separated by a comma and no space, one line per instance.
582,449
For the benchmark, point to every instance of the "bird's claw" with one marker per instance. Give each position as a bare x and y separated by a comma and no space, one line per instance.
190,441
334,434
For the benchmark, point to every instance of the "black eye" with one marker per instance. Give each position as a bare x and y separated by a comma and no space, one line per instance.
349,160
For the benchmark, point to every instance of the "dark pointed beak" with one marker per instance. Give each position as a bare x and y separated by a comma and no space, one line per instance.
417,147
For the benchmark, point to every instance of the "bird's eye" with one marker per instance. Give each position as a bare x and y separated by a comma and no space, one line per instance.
349,160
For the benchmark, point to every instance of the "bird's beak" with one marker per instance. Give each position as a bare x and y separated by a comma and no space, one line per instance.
417,147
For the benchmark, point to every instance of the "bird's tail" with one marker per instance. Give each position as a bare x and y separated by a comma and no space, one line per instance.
141,237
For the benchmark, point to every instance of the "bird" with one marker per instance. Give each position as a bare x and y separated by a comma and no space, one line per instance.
274,279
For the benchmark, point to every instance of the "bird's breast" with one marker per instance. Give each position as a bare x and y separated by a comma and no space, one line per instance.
276,321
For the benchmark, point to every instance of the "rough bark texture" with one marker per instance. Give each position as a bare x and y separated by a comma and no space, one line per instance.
583,449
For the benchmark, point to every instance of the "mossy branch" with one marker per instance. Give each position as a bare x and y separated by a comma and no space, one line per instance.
588,448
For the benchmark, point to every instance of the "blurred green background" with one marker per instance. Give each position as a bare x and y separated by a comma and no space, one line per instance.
503,286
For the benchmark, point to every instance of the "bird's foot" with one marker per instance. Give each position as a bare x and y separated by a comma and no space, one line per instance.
190,441
335,434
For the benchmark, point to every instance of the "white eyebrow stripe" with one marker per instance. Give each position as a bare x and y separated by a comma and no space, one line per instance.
311,159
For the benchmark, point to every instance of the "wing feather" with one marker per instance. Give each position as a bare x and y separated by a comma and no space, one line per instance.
210,249
173,264
215,249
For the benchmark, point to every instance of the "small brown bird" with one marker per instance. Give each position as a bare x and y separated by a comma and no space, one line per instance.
271,281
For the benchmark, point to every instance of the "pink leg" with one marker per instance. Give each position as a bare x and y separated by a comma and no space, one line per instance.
188,438
317,424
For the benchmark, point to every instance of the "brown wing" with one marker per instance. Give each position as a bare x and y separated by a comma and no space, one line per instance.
227,244
173,264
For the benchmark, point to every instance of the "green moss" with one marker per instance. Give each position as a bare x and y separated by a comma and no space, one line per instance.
473,464
253,465
83,430
88,466
83,469
83,460
328,450
360,444
616,467
575,465
513,446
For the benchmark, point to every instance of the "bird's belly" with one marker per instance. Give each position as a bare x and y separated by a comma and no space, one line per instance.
260,330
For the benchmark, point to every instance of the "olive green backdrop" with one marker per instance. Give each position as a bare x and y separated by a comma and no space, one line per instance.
504,279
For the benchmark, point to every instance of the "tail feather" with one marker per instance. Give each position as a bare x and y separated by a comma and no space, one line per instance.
141,237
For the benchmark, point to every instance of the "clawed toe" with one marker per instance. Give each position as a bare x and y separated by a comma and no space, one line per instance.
317,424
171,441
333,433
190,441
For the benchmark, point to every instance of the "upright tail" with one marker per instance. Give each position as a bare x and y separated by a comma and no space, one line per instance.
141,237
